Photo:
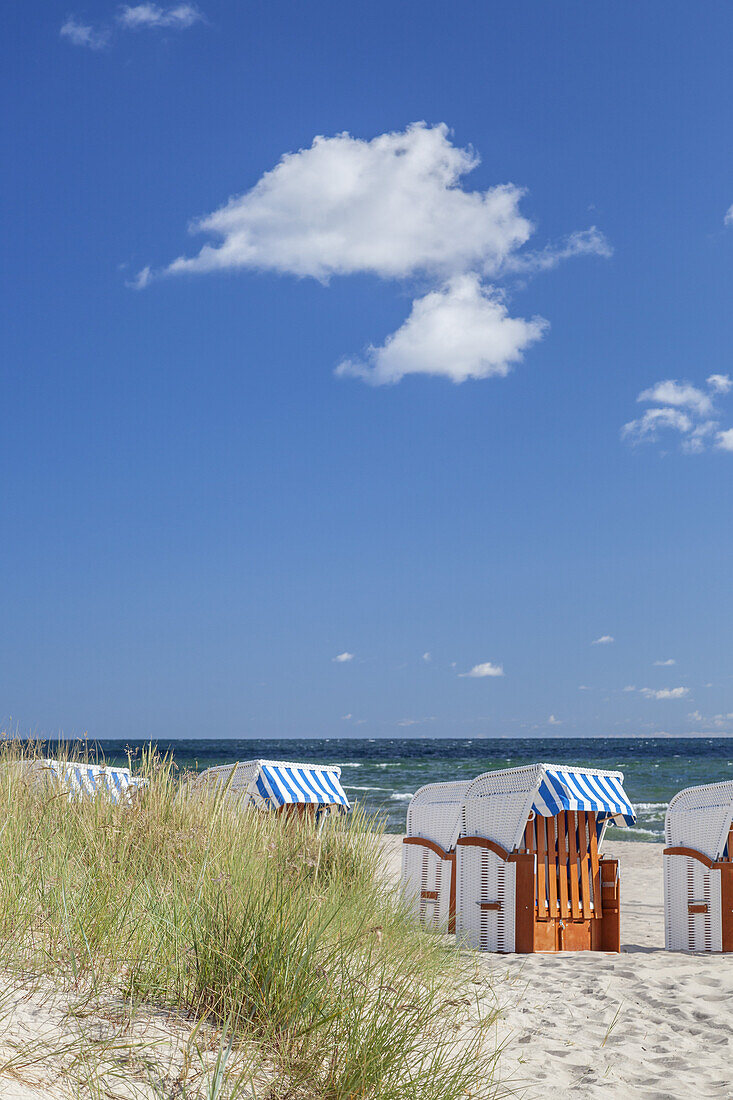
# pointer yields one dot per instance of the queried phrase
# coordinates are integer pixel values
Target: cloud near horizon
(393, 207)
(665, 693)
(605, 639)
(686, 409)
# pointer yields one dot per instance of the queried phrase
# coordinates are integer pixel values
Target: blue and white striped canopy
(573, 789)
(281, 784)
(85, 780)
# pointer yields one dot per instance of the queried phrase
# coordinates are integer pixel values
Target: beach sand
(647, 1023)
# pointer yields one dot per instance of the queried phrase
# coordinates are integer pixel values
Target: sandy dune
(646, 1024)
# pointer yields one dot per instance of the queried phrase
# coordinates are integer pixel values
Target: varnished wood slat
(562, 864)
(552, 866)
(595, 865)
(584, 879)
(541, 870)
(573, 864)
(529, 837)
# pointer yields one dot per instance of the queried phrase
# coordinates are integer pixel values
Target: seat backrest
(567, 875)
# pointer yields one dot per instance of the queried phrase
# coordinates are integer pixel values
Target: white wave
(650, 805)
(401, 797)
(351, 787)
(348, 765)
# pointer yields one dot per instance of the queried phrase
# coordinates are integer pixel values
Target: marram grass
(284, 938)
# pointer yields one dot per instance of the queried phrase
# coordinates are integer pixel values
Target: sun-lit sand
(647, 1023)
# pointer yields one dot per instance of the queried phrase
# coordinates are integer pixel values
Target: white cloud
(132, 17)
(394, 207)
(346, 717)
(138, 16)
(485, 669)
(82, 34)
(587, 242)
(665, 664)
(605, 639)
(341, 658)
(728, 219)
(582, 687)
(553, 721)
(680, 395)
(427, 657)
(685, 409)
(629, 687)
(665, 693)
(459, 332)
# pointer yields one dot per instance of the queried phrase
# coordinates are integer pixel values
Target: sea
(382, 774)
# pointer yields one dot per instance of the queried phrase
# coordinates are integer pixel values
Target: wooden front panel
(576, 936)
(574, 893)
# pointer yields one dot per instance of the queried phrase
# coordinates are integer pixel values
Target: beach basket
(308, 790)
(698, 872)
(530, 876)
(429, 853)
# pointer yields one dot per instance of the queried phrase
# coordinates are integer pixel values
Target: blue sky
(202, 511)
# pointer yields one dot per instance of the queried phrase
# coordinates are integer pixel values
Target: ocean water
(383, 774)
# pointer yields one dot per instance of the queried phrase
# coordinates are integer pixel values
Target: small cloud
(139, 16)
(665, 693)
(605, 639)
(341, 658)
(665, 664)
(720, 383)
(131, 17)
(415, 721)
(728, 219)
(582, 687)
(141, 280)
(686, 409)
(83, 34)
(427, 658)
(485, 669)
(696, 716)
(346, 717)
(630, 687)
(553, 721)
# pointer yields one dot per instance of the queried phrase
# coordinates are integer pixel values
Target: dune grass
(280, 938)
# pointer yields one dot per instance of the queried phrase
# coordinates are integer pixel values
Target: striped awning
(85, 780)
(287, 784)
(573, 789)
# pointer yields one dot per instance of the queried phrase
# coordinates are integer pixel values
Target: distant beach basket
(82, 780)
(698, 869)
(530, 876)
(301, 789)
(429, 853)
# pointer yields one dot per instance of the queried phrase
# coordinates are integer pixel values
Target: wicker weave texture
(425, 874)
(687, 882)
(485, 878)
(700, 817)
(434, 812)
